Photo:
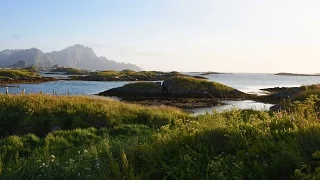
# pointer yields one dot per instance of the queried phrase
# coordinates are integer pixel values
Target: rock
(141, 89)
(176, 87)
(277, 107)
(195, 88)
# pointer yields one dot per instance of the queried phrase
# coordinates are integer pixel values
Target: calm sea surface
(249, 83)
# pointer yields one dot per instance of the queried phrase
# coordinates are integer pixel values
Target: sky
(260, 36)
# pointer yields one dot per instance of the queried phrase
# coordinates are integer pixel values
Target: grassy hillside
(141, 85)
(230, 145)
(190, 82)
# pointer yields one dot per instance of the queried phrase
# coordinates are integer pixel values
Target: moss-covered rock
(140, 89)
(191, 87)
(176, 87)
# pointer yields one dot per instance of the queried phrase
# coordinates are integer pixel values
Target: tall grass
(39, 114)
(231, 145)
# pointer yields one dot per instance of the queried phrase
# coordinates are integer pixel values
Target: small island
(179, 91)
(295, 74)
(130, 75)
(208, 73)
(68, 71)
(28, 75)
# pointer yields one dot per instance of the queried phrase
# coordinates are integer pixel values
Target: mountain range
(76, 56)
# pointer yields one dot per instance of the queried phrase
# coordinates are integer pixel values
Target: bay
(248, 83)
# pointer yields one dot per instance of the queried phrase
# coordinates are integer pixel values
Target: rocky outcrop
(141, 89)
(195, 88)
(279, 93)
(283, 96)
(176, 87)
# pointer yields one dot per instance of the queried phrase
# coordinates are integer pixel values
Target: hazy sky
(184, 35)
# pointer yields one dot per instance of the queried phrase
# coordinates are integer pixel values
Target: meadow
(73, 137)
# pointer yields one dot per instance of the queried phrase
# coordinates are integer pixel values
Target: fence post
(7, 90)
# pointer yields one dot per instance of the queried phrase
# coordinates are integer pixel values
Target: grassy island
(63, 137)
(9, 76)
(69, 71)
(178, 91)
(129, 75)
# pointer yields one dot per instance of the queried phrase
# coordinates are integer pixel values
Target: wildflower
(43, 164)
(53, 157)
(85, 151)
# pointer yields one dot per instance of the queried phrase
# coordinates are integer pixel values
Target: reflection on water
(229, 105)
(61, 87)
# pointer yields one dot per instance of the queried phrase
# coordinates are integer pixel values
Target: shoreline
(13, 82)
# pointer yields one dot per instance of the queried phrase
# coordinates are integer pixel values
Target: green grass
(17, 74)
(231, 145)
(40, 113)
(190, 82)
(71, 71)
(306, 92)
(141, 85)
(123, 73)
(129, 75)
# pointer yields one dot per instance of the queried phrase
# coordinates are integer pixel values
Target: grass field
(102, 139)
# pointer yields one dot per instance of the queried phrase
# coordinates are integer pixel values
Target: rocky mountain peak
(76, 56)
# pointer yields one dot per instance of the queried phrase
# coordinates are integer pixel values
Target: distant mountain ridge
(76, 56)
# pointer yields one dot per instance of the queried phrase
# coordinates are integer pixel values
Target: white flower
(85, 151)
(52, 156)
